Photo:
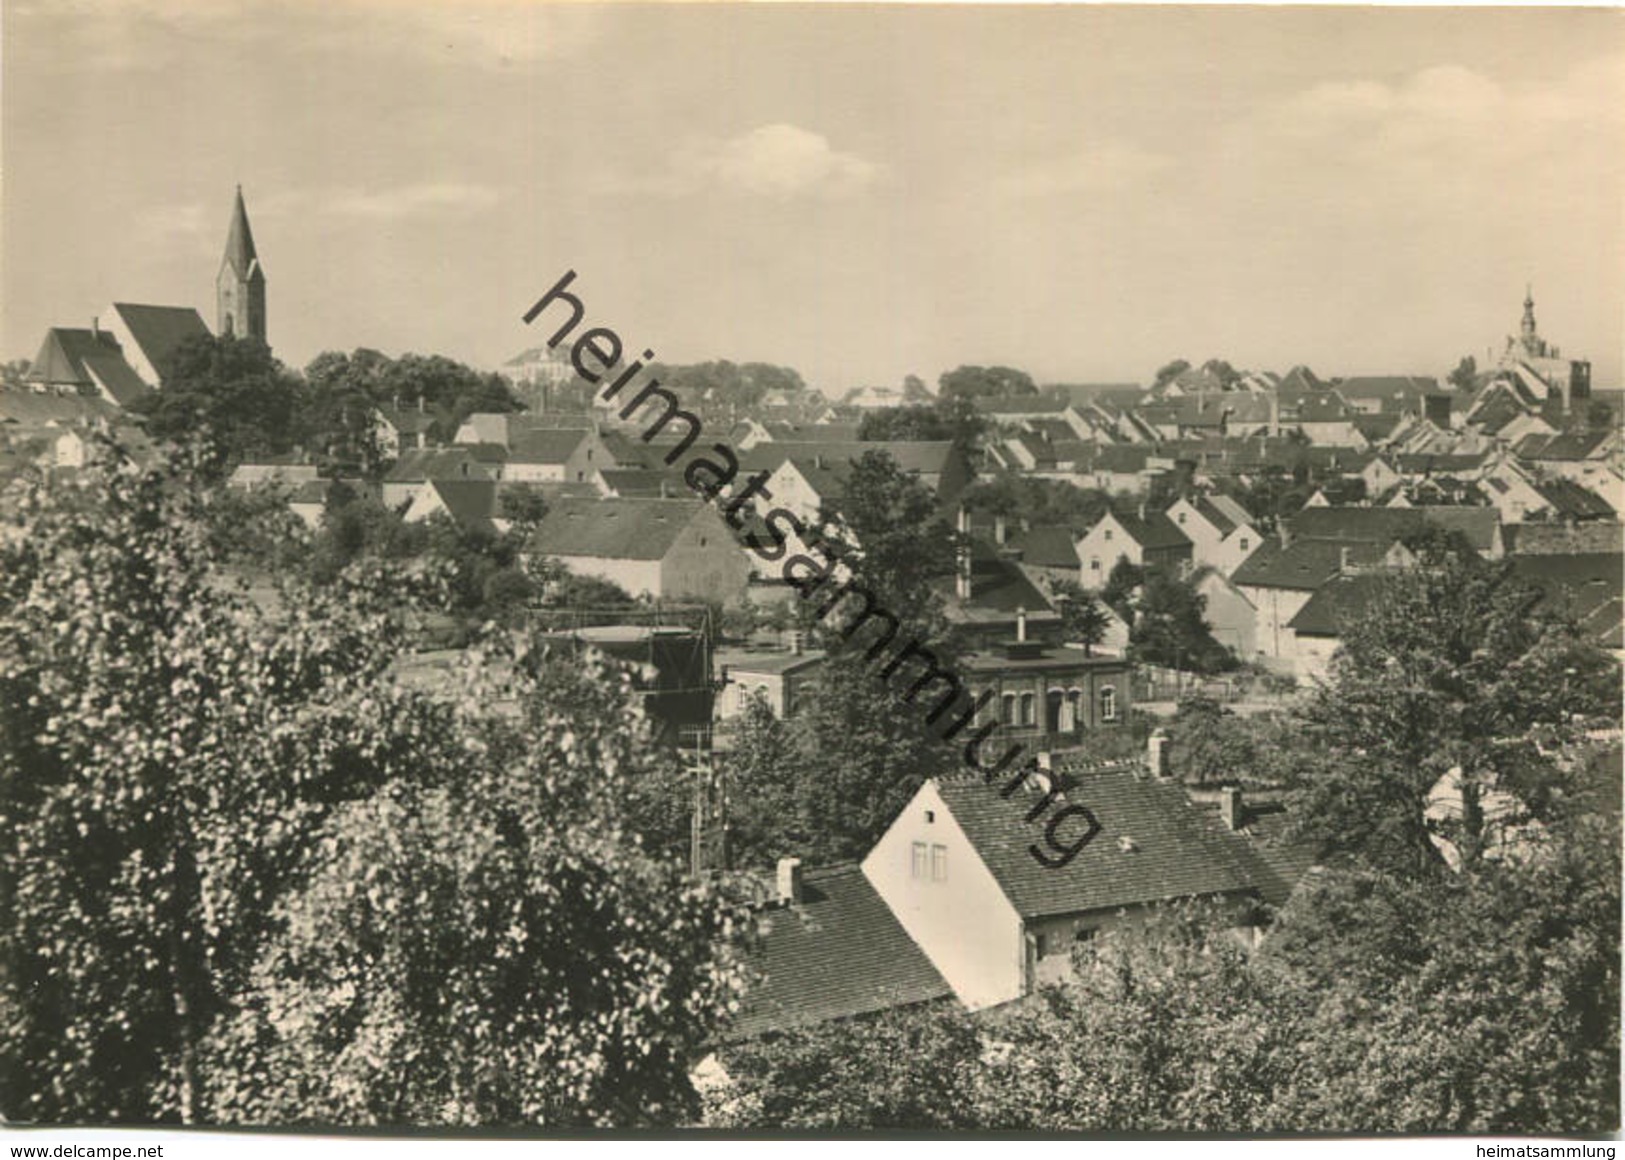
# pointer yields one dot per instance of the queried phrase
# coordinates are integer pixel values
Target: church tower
(240, 287)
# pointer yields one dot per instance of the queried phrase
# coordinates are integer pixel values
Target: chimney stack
(962, 584)
(1021, 623)
(790, 892)
(1157, 754)
(1231, 811)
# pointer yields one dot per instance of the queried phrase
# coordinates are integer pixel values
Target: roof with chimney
(1153, 531)
(83, 359)
(839, 953)
(1303, 565)
(1152, 846)
(1480, 525)
(459, 461)
(617, 528)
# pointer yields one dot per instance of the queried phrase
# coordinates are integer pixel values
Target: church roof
(158, 330)
(240, 253)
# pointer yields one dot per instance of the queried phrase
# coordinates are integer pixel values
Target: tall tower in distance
(240, 286)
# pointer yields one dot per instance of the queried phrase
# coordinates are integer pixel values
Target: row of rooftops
(829, 946)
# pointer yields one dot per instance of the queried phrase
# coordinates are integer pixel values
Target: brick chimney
(790, 885)
(962, 583)
(1157, 754)
(1231, 810)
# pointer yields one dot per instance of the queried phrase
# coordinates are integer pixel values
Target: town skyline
(1214, 184)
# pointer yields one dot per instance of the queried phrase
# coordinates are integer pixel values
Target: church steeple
(1528, 336)
(240, 286)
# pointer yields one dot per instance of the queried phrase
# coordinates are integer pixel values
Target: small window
(1028, 715)
(917, 865)
(930, 816)
(1094, 564)
(1007, 709)
(1108, 536)
(1085, 934)
(1181, 519)
(1244, 543)
(1108, 704)
(939, 863)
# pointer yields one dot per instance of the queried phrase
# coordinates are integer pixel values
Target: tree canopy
(973, 382)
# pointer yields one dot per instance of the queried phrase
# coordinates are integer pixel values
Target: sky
(860, 192)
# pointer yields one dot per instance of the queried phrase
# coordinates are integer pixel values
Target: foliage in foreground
(249, 877)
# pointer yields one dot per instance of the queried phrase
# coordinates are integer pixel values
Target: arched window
(1074, 709)
(1108, 704)
(1055, 716)
(1028, 714)
(1007, 709)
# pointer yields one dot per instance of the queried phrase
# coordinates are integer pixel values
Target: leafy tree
(1599, 415)
(1168, 372)
(230, 392)
(915, 390)
(489, 947)
(249, 877)
(1450, 669)
(1052, 502)
(166, 755)
(906, 1069)
(1083, 619)
(973, 382)
(1212, 744)
(955, 419)
(12, 371)
(1227, 375)
(1465, 374)
(1170, 628)
(1124, 580)
(523, 504)
(765, 821)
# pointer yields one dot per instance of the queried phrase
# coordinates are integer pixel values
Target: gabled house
(554, 455)
(964, 870)
(85, 362)
(1279, 579)
(415, 470)
(398, 429)
(1221, 531)
(669, 549)
(470, 503)
(1145, 539)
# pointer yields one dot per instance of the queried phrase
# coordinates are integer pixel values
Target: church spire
(240, 286)
(1530, 336)
(240, 241)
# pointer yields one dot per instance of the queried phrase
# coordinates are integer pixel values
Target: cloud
(775, 161)
(1109, 165)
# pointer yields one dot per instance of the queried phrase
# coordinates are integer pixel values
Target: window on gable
(1244, 543)
(1094, 564)
(917, 863)
(1108, 536)
(939, 863)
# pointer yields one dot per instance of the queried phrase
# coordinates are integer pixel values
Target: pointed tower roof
(240, 253)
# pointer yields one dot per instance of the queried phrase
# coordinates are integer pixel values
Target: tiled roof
(1588, 586)
(1562, 447)
(928, 458)
(116, 377)
(1570, 499)
(1385, 525)
(646, 482)
(543, 445)
(1215, 515)
(1230, 507)
(1023, 405)
(1304, 565)
(615, 529)
(1114, 395)
(840, 953)
(159, 330)
(1155, 531)
(1170, 851)
(1047, 546)
(998, 585)
(418, 465)
(1339, 601)
(471, 502)
(28, 408)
